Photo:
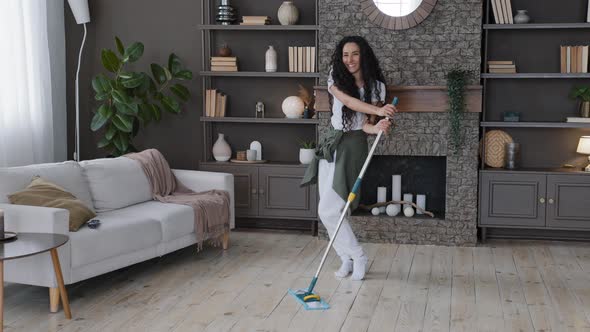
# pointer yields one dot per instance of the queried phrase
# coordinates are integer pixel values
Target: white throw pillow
(116, 183)
(67, 175)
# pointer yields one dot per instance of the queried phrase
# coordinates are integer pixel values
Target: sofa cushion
(115, 236)
(116, 183)
(176, 220)
(44, 193)
(67, 175)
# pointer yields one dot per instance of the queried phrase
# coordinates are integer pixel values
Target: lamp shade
(80, 10)
(584, 145)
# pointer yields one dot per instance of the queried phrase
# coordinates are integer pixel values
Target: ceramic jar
(270, 64)
(521, 17)
(221, 150)
(288, 14)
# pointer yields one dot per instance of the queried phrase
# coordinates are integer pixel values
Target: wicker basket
(495, 146)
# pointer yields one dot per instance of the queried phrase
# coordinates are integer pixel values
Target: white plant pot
(306, 156)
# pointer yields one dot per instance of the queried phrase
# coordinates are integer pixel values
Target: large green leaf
(144, 87)
(121, 141)
(184, 75)
(125, 74)
(110, 133)
(102, 96)
(120, 46)
(101, 84)
(133, 52)
(168, 74)
(158, 72)
(103, 142)
(120, 97)
(145, 113)
(174, 64)
(106, 111)
(99, 119)
(134, 81)
(127, 109)
(110, 61)
(156, 112)
(123, 122)
(170, 104)
(180, 91)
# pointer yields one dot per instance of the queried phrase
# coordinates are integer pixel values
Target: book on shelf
(573, 59)
(502, 11)
(255, 20)
(229, 63)
(302, 59)
(215, 103)
(224, 68)
(577, 119)
(501, 67)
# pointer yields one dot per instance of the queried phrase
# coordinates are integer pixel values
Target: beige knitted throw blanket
(211, 207)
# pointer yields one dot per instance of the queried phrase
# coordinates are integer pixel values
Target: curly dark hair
(345, 81)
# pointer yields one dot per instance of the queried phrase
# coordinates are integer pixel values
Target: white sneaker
(344, 269)
(359, 268)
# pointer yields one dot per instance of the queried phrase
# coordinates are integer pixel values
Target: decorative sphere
(408, 211)
(375, 211)
(392, 210)
(293, 107)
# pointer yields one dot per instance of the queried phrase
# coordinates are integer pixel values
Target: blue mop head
(310, 301)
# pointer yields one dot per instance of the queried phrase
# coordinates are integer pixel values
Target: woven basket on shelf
(495, 144)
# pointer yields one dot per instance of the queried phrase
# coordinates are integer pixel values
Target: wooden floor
(503, 286)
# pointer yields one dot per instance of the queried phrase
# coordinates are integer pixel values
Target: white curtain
(26, 112)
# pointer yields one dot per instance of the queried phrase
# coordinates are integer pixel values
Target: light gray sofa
(134, 228)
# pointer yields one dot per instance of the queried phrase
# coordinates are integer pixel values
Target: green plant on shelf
(456, 81)
(580, 92)
(306, 144)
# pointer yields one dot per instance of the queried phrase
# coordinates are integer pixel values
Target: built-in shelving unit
(534, 196)
(267, 194)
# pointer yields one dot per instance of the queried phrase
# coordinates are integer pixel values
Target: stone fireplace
(419, 140)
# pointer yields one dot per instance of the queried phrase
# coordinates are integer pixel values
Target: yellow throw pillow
(44, 193)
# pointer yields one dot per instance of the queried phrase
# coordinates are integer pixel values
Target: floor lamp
(82, 15)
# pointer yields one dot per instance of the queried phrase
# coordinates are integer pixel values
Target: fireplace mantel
(414, 98)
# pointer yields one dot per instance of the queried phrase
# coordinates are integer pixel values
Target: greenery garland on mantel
(456, 81)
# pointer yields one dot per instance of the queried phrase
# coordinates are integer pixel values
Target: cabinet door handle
(261, 191)
(542, 200)
(551, 201)
(254, 191)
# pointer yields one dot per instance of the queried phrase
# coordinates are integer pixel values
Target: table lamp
(82, 16)
(584, 147)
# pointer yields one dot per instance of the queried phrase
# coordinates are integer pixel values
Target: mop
(309, 299)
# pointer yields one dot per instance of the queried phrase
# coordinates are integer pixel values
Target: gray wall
(163, 27)
(57, 58)
(450, 36)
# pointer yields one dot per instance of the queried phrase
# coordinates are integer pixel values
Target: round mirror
(397, 14)
(397, 8)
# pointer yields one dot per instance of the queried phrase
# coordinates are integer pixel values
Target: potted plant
(132, 99)
(306, 151)
(583, 94)
(456, 81)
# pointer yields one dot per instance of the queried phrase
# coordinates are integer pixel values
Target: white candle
(421, 202)
(408, 198)
(382, 197)
(396, 189)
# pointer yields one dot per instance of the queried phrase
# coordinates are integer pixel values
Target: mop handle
(351, 198)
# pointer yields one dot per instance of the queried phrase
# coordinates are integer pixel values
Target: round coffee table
(28, 244)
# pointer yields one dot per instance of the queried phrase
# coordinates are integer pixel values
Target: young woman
(357, 89)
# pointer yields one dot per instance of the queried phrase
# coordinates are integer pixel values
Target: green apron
(351, 151)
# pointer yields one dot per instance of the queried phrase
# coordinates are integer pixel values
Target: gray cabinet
(539, 200)
(512, 199)
(269, 191)
(568, 201)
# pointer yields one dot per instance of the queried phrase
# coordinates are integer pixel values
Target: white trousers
(329, 209)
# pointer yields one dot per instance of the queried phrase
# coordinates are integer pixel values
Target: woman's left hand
(384, 125)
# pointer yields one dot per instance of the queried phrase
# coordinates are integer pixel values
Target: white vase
(221, 150)
(306, 156)
(288, 14)
(270, 63)
(293, 107)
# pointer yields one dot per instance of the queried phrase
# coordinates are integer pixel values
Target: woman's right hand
(386, 110)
